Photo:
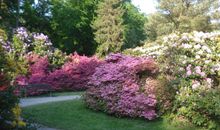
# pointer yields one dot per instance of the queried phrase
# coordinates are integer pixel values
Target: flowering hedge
(120, 86)
(73, 75)
(193, 60)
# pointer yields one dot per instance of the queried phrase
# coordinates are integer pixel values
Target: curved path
(25, 102)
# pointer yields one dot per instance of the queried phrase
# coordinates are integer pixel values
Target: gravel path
(24, 102)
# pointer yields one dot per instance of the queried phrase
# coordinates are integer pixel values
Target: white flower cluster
(153, 51)
(22, 33)
(196, 54)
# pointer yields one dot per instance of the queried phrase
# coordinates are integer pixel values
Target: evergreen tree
(108, 26)
(8, 14)
(182, 16)
(134, 26)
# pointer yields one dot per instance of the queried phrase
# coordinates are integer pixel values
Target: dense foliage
(122, 86)
(134, 22)
(192, 59)
(108, 26)
(183, 16)
(70, 22)
(8, 14)
(9, 110)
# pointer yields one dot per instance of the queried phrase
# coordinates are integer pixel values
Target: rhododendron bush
(193, 60)
(121, 86)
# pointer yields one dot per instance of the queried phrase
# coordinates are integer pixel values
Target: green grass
(73, 115)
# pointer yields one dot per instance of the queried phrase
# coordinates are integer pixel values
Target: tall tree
(134, 22)
(35, 15)
(8, 14)
(182, 16)
(71, 20)
(216, 16)
(108, 26)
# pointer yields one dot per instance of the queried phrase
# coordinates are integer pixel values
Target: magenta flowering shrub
(74, 74)
(39, 70)
(37, 73)
(117, 87)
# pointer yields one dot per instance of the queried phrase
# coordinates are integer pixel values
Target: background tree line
(104, 26)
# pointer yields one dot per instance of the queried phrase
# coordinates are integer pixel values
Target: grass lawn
(73, 115)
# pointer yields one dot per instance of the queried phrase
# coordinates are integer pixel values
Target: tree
(108, 26)
(8, 14)
(216, 16)
(182, 16)
(35, 16)
(71, 20)
(134, 26)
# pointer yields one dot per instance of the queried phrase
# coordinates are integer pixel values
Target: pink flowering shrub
(39, 70)
(73, 75)
(116, 87)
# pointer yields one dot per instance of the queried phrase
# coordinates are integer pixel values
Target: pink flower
(195, 85)
(202, 74)
(198, 69)
(189, 67)
(189, 72)
(208, 80)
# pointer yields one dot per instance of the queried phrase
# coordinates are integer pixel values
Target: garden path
(25, 102)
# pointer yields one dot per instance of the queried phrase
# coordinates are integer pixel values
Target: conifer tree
(182, 16)
(108, 27)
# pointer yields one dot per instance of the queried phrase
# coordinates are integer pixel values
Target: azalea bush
(193, 62)
(72, 76)
(124, 86)
(46, 65)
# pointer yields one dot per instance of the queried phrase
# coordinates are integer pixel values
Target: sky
(145, 6)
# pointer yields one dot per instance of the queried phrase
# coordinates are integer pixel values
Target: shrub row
(73, 75)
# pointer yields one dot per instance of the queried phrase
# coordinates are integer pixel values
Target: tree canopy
(182, 16)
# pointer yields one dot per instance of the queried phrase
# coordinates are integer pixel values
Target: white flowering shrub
(193, 60)
(42, 44)
(25, 43)
(189, 55)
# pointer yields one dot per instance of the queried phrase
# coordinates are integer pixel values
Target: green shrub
(201, 107)
(9, 109)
